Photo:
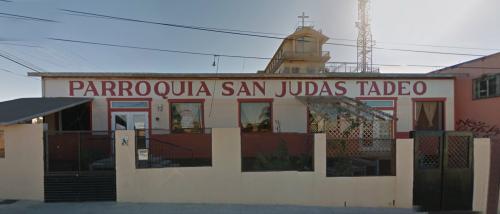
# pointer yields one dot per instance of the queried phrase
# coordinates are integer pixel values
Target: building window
(379, 103)
(186, 117)
(129, 113)
(316, 122)
(429, 115)
(381, 129)
(487, 86)
(2, 145)
(295, 70)
(129, 104)
(305, 45)
(256, 116)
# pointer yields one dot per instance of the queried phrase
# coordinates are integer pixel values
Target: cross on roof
(303, 17)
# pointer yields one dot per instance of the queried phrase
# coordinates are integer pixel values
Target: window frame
(393, 108)
(257, 100)
(476, 84)
(301, 44)
(177, 101)
(431, 99)
(129, 101)
(111, 109)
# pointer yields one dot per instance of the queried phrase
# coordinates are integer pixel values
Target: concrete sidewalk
(145, 208)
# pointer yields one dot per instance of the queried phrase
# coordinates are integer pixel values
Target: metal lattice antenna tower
(365, 42)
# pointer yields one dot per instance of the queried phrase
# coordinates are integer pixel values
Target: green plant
(278, 160)
(281, 160)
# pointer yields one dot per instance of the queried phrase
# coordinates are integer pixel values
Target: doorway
(129, 120)
(443, 170)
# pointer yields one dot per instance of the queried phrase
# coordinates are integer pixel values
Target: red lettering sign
(251, 88)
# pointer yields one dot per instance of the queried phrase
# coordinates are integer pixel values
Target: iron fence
(360, 157)
(493, 191)
(277, 152)
(166, 148)
(79, 151)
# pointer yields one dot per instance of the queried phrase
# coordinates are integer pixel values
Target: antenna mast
(365, 42)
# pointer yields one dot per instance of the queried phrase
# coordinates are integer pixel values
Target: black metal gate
(443, 170)
(79, 166)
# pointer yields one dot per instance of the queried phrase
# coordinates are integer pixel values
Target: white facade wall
(287, 110)
(224, 182)
(21, 170)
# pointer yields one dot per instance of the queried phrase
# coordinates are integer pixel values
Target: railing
(347, 68)
(287, 54)
(79, 151)
(277, 152)
(164, 148)
(360, 157)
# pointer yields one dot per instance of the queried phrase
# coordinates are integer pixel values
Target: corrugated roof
(239, 75)
(23, 109)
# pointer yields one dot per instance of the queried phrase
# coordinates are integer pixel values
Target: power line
(20, 45)
(10, 58)
(226, 31)
(79, 13)
(410, 50)
(441, 46)
(27, 17)
(423, 65)
(157, 49)
(430, 52)
(16, 74)
(240, 56)
(170, 25)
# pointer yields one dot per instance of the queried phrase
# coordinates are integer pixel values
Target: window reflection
(186, 117)
(120, 122)
(255, 117)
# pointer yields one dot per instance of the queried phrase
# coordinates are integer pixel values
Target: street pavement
(29, 207)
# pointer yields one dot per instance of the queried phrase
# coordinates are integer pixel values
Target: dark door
(427, 169)
(457, 171)
(79, 166)
(443, 170)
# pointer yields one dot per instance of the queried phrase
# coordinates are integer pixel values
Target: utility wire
(20, 45)
(170, 25)
(5, 56)
(85, 14)
(79, 13)
(96, 15)
(16, 74)
(156, 49)
(240, 56)
(216, 64)
(252, 33)
(440, 46)
(26, 17)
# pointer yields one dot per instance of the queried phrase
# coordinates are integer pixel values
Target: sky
(394, 23)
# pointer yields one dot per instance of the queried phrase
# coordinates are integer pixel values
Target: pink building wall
(481, 116)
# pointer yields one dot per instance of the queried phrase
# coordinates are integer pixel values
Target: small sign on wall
(142, 154)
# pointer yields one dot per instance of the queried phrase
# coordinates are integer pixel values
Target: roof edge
(84, 100)
(240, 75)
(463, 63)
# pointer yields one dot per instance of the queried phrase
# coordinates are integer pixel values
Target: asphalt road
(145, 208)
